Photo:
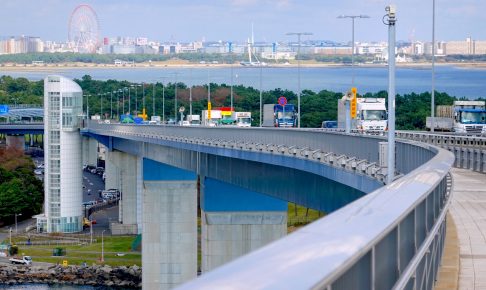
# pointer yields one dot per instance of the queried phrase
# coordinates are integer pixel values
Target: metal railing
(390, 238)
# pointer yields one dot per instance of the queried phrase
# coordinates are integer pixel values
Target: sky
(230, 20)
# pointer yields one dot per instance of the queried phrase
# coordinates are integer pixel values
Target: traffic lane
(103, 219)
(92, 184)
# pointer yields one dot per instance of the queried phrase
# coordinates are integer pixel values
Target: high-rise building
(63, 101)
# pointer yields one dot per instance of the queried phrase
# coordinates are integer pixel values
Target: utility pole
(353, 17)
(390, 20)
(299, 34)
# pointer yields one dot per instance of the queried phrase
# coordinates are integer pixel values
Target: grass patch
(89, 253)
(299, 216)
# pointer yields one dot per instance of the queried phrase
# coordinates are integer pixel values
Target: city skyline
(231, 20)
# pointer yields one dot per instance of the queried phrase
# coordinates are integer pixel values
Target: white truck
(243, 119)
(25, 260)
(467, 117)
(371, 115)
(155, 120)
(194, 120)
(215, 118)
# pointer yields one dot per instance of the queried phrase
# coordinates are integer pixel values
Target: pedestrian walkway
(468, 211)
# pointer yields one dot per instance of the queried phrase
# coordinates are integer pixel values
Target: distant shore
(48, 67)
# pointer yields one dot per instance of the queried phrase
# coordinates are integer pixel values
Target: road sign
(282, 101)
(353, 104)
(209, 110)
(182, 109)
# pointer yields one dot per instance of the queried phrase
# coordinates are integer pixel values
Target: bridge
(376, 236)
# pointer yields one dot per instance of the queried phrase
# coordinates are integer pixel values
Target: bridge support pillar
(112, 170)
(15, 141)
(128, 170)
(90, 151)
(236, 221)
(169, 234)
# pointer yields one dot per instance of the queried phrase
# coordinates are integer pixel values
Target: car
(38, 172)
(185, 123)
(89, 168)
(171, 122)
(99, 170)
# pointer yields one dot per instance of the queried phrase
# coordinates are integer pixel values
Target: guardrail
(390, 238)
(470, 151)
(349, 152)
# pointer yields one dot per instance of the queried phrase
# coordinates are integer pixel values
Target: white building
(63, 101)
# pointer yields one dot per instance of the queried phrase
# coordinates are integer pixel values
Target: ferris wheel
(84, 29)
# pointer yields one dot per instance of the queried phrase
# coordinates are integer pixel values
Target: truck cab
(470, 120)
(243, 119)
(371, 114)
(285, 116)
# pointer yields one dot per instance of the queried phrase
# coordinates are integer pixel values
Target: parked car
(89, 168)
(26, 260)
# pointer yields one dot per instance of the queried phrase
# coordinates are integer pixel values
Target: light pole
(129, 102)
(299, 34)
(231, 81)
(16, 232)
(143, 100)
(261, 94)
(111, 105)
(432, 112)
(102, 247)
(190, 94)
(391, 18)
(163, 101)
(153, 98)
(175, 98)
(101, 106)
(87, 106)
(10, 231)
(353, 17)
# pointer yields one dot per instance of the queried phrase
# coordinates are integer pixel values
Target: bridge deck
(468, 210)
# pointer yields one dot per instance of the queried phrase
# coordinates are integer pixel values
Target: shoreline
(179, 65)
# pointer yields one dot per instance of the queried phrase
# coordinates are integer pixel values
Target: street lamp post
(353, 17)
(432, 101)
(143, 99)
(102, 246)
(391, 18)
(16, 232)
(129, 102)
(101, 106)
(175, 98)
(111, 105)
(87, 106)
(153, 98)
(299, 34)
(163, 101)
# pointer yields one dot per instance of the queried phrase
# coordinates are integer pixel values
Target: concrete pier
(90, 151)
(236, 221)
(17, 141)
(125, 166)
(169, 231)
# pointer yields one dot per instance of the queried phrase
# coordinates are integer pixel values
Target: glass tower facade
(63, 101)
